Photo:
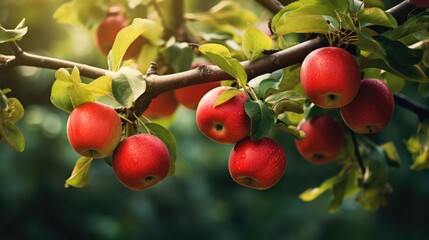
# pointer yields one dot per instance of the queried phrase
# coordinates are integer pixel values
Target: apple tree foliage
(391, 45)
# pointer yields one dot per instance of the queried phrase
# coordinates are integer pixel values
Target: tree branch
(273, 6)
(32, 60)
(157, 84)
(419, 109)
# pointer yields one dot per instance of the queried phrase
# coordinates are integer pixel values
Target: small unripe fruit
(330, 77)
(323, 141)
(94, 130)
(372, 108)
(257, 164)
(225, 123)
(141, 161)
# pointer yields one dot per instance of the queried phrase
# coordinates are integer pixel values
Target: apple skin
(226, 123)
(257, 164)
(372, 108)
(330, 77)
(162, 106)
(108, 29)
(141, 161)
(323, 141)
(420, 3)
(94, 129)
(190, 96)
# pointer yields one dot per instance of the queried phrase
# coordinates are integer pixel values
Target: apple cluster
(166, 104)
(257, 164)
(139, 161)
(331, 78)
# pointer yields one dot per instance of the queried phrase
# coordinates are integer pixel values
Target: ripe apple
(323, 141)
(141, 161)
(225, 123)
(94, 130)
(372, 108)
(257, 164)
(191, 96)
(108, 29)
(420, 3)
(330, 77)
(162, 106)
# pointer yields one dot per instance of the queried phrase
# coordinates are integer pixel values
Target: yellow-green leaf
(15, 110)
(227, 95)
(101, 86)
(13, 136)
(150, 29)
(254, 42)
(80, 174)
(391, 153)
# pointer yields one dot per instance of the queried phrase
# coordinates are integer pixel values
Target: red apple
(225, 123)
(162, 106)
(257, 164)
(323, 141)
(141, 161)
(330, 77)
(94, 130)
(109, 28)
(372, 108)
(420, 3)
(191, 96)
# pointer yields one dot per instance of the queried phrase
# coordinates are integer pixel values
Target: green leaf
(101, 86)
(413, 145)
(290, 129)
(254, 42)
(262, 119)
(15, 110)
(150, 29)
(127, 85)
(60, 95)
(290, 77)
(79, 95)
(313, 193)
(80, 174)
(180, 55)
(338, 191)
(302, 24)
(227, 95)
(421, 161)
(376, 16)
(168, 138)
(80, 13)
(391, 154)
(286, 101)
(221, 56)
(423, 89)
(414, 24)
(402, 59)
(9, 35)
(13, 136)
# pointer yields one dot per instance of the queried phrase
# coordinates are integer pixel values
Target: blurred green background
(200, 201)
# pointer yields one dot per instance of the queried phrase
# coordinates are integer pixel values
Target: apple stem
(357, 153)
